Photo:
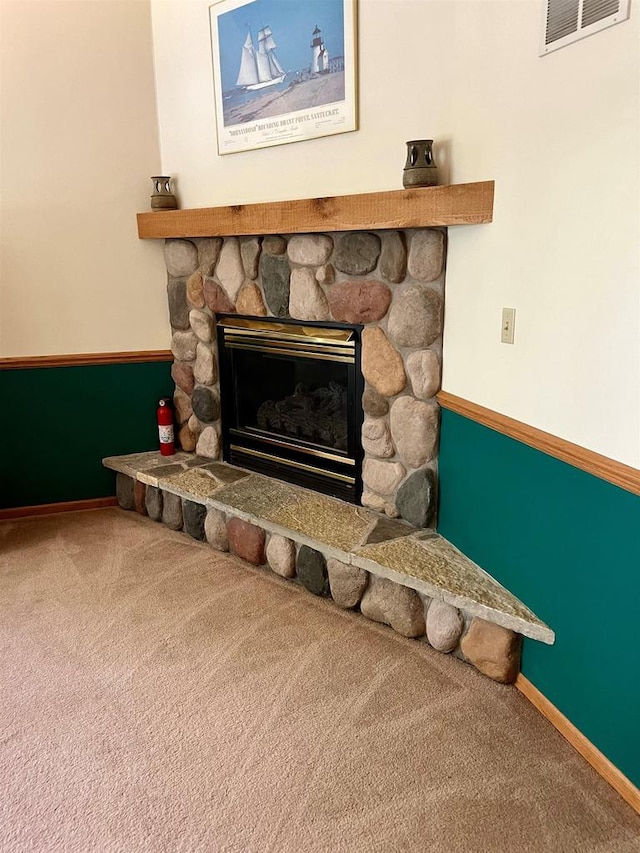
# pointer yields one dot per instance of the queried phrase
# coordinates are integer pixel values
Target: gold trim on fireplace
(290, 445)
(319, 356)
(343, 477)
(339, 349)
(312, 334)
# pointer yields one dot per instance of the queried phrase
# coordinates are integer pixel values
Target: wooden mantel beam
(456, 204)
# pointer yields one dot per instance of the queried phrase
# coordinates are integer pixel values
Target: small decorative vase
(162, 198)
(420, 169)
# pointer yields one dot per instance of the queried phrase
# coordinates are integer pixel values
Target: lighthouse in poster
(319, 55)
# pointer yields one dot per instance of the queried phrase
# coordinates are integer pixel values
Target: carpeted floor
(159, 696)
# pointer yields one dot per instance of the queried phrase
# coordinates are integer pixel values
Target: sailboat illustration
(260, 68)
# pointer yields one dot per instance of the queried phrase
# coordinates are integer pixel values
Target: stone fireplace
(250, 316)
(387, 286)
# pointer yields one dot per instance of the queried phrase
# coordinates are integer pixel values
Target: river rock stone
(182, 406)
(208, 253)
(325, 274)
(172, 511)
(273, 244)
(193, 515)
(372, 501)
(426, 255)
(178, 306)
(382, 364)
(311, 568)
(274, 275)
(281, 556)
(182, 375)
(395, 605)
(250, 301)
(357, 253)
(208, 443)
(195, 290)
(230, 271)
(444, 626)
(414, 427)
(393, 257)
(423, 367)
(153, 503)
(183, 346)
(202, 324)
(206, 406)
(195, 426)
(359, 301)
(415, 318)
(246, 541)
(124, 491)
(250, 254)
(187, 438)
(415, 498)
(307, 300)
(347, 583)
(215, 530)
(216, 299)
(382, 477)
(494, 650)
(180, 257)
(205, 370)
(310, 250)
(373, 404)
(376, 438)
(139, 497)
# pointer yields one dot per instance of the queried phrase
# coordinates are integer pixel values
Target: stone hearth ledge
(419, 559)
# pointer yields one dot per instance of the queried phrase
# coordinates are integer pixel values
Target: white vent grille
(594, 11)
(562, 19)
(566, 21)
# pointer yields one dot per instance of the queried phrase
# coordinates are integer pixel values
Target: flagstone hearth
(410, 578)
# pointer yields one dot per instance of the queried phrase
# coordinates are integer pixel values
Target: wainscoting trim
(579, 742)
(81, 359)
(618, 473)
(50, 509)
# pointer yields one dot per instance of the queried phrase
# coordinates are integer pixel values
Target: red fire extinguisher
(165, 427)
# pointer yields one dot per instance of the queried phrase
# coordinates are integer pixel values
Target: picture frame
(283, 71)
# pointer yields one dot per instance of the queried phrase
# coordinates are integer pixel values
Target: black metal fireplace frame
(296, 461)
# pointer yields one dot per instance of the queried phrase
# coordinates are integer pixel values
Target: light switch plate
(508, 325)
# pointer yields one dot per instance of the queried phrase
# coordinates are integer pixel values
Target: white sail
(275, 66)
(248, 73)
(265, 39)
(259, 68)
(264, 72)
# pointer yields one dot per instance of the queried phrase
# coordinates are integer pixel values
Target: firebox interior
(291, 401)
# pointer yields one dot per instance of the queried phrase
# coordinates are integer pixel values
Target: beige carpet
(158, 696)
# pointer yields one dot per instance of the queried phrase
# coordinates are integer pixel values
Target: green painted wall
(568, 545)
(59, 422)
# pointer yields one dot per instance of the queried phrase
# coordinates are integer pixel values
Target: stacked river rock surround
(392, 282)
(394, 572)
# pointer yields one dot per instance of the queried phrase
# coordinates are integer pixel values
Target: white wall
(560, 136)
(79, 140)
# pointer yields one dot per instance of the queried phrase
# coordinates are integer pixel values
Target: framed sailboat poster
(283, 71)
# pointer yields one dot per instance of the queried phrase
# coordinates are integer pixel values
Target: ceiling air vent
(566, 21)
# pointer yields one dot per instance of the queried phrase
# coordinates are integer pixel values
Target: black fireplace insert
(291, 399)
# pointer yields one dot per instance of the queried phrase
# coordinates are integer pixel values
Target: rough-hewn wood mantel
(456, 204)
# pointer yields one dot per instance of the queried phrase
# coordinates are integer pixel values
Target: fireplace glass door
(291, 401)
